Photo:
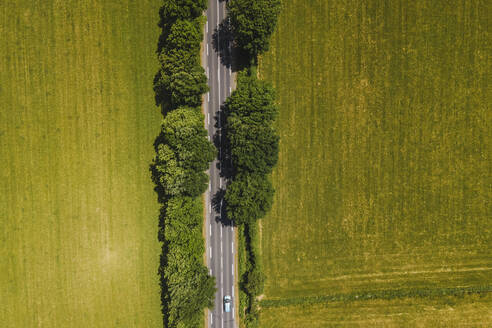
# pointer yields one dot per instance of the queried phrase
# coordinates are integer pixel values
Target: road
(220, 236)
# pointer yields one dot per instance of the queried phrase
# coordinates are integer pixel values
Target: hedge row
(252, 149)
(379, 294)
(251, 145)
(183, 154)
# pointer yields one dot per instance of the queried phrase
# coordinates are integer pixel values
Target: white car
(227, 303)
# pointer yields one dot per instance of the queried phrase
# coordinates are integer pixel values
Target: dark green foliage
(253, 100)
(254, 147)
(181, 80)
(173, 10)
(252, 22)
(252, 140)
(248, 197)
(184, 154)
(189, 287)
(185, 35)
(187, 87)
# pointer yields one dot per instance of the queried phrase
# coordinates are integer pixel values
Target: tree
(255, 281)
(248, 198)
(183, 154)
(252, 22)
(183, 130)
(187, 87)
(173, 10)
(189, 286)
(253, 100)
(185, 35)
(253, 146)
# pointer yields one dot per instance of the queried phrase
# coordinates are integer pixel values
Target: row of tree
(181, 80)
(251, 142)
(183, 154)
(252, 148)
(252, 145)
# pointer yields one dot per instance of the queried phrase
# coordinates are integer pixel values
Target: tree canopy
(184, 153)
(252, 140)
(189, 287)
(252, 23)
(248, 198)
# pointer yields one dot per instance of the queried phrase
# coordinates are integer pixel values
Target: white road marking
(220, 182)
(207, 27)
(232, 314)
(230, 90)
(221, 248)
(210, 271)
(208, 96)
(208, 118)
(210, 229)
(218, 6)
(208, 137)
(207, 49)
(232, 267)
(232, 247)
(221, 232)
(233, 292)
(210, 208)
(210, 251)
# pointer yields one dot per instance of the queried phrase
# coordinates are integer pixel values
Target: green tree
(189, 287)
(185, 35)
(253, 147)
(173, 10)
(253, 100)
(255, 282)
(187, 88)
(184, 153)
(252, 22)
(248, 198)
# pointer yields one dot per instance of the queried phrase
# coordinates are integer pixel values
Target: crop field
(383, 180)
(78, 214)
(470, 311)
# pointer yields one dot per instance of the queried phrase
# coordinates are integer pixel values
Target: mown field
(78, 214)
(383, 180)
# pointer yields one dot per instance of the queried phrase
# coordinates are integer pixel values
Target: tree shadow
(218, 204)
(223, 43)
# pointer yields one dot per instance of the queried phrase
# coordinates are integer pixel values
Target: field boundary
(379, 294)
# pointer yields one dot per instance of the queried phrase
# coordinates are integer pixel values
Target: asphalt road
(220, 235)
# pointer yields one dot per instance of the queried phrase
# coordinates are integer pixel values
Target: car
(227, 303)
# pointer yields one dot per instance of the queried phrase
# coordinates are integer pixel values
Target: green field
(383, 180)
(471, 311)
(78, 214)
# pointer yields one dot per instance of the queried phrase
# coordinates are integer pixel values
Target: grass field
(383, 181)
(78, 214)
(470, 311)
